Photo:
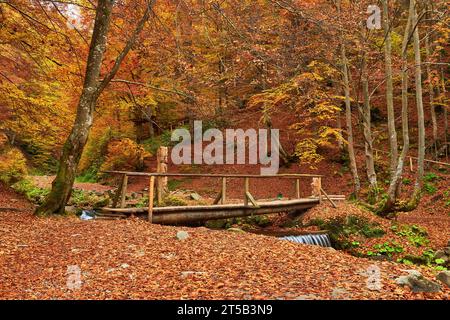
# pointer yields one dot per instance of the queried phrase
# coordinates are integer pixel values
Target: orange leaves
(124, 154)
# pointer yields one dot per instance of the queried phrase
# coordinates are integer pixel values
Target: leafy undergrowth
(362, 233)
(131, 259)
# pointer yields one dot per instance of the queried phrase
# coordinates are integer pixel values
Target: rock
(70, 209)
(124, 265)
(444, 277)
(439, 254)
(417, 282)
(195, 196)
(182, 235)
(236, 230)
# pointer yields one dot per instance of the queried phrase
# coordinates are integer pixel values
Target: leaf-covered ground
(130, 259)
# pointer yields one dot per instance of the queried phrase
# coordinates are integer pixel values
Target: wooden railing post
(316, 185)
(297, 188)
(224, 191)
(123, 194)
(151, 192)
(162, 160)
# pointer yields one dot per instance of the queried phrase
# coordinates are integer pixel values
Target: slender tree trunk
(430, 85)
(389, 89)
(368, 141)
(339, 126)
(444, 97)
(92, 88)
(348, 113)
(420, 113)
(396, 179)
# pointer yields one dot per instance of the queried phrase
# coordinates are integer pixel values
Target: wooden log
(251, 199)
(224, 191)
(218, 198)
(123, 191)
(170, 215)
(151, 188)
(329, 199)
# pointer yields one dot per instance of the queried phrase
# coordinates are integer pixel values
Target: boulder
(444, 277)
(439, 254)
(236, 230)
(182, 235)
(195, 196)
(70, 209)
(417, 282)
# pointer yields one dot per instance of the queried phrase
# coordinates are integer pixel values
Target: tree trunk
(73, 147)
(389, 89)
(92, 88)
(430, 85)
(420, 113)
(348, 113)
(388, 206)
(368, 141)
(444, 97)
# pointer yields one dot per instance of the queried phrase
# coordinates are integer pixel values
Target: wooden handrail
(214, 175)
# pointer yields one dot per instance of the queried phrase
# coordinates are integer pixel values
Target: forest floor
(130, 259)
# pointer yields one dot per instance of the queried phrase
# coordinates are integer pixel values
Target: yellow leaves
(324, 110)
(13, 165)
(306, 150)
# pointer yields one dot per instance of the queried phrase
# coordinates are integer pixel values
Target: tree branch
(131, 41)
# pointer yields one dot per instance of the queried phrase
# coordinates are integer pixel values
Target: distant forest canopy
(126, 73)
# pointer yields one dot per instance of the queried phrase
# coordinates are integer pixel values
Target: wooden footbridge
(219, 209)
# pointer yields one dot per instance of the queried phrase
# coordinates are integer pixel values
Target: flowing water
(314, 239)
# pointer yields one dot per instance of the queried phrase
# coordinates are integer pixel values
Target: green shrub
(30, 191)
(386, 249)
(341, 228)
(406, 181)
(429, 188)
(415, 234)
(431, 177)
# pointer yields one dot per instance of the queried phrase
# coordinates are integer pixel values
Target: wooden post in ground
(162, 160)
(123, 194)
(411, 167)
(297, 188)
(246, 190)
(224, 191)
(151, 193)
(316, 186)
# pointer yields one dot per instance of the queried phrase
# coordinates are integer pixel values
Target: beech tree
(389, 87)
(92, 88)
(420, 112)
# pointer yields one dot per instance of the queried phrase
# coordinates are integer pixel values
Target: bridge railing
(120, 197)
